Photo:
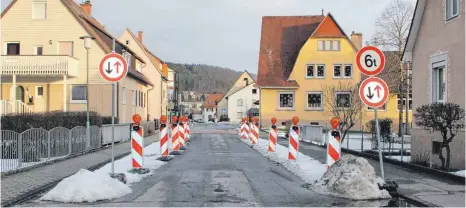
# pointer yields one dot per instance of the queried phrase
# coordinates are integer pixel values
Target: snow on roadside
(87, 186)
(359, 181)
(459, 173)
(305, 167)
(353, 178)
(123, 165)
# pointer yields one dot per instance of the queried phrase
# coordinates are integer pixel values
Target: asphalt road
(218, 169)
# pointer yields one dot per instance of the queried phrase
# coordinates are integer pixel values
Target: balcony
(31, 65)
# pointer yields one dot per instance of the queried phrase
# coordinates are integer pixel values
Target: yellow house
(44, 62)
(300, 58)
(155, 70)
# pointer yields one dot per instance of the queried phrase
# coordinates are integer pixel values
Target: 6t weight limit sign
(370, 60)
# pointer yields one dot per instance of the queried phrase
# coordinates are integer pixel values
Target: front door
(20, 93)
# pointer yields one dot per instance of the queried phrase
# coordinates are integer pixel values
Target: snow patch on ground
(305, 167)
(87, 186)
(459, 173)
(151, 153)
(353, 178)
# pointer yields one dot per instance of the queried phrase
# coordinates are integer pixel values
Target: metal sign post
(113, 68)
(377, 129)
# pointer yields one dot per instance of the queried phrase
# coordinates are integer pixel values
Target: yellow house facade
(44, 62)
(299, 65)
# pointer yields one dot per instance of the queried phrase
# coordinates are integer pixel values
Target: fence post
(20, 150)
(69, 143)
(48, 146)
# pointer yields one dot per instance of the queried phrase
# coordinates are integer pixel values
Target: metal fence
(37, 145)
(122, 133)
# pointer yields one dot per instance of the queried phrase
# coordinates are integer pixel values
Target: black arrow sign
(370, 95)
(109, 69)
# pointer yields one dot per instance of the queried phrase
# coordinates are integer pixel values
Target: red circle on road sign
(363, 97)
(360, 65)
(105, 59)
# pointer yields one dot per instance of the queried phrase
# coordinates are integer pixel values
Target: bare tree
(342, 101)
(391, 33)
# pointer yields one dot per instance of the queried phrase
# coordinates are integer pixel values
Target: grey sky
(221, 32)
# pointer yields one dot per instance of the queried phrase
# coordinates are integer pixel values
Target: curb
(32, 193)
(417, 202)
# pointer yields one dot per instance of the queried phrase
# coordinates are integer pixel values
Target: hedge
(50, 120)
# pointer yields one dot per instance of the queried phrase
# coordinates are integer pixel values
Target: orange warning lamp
(335, 122)
(295, 120)
(136, 119)
(174, 119)
(274, 120)
(255, 119)
(163, 119)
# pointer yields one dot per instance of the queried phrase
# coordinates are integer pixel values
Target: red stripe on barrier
(333, 153)
(136, 164)
(293, 143)
(136, 146)
(291, 156)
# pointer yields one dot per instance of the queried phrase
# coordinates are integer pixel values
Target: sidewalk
(417, 185)
(17, 187)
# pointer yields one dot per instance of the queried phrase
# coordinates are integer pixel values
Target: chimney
(87, 6)
(140, 36)
(356, 38)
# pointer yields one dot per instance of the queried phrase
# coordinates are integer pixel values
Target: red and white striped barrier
(334, 144)
(241, 131)
(137, 146)
(188, 131)
(163, 137)
(246, 130)
(273, 136)
(175, 134)
(294, 140)
(181, 134)
(255, 131)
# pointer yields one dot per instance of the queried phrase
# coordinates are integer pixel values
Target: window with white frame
(335, 45)
(39, 91)
(438, 84)
(239, 115)
(286, 100)
(315, 70)
(321, 45)
(314, 101)
(342, 71)
(39, 10)
(348, 71)
(328, 45)
(239, 102)
(337, 70)
(383, 107)
(452, 9)
(343, 99)
(254, 91)
(401, 101)
(78, 94)
(123, 96)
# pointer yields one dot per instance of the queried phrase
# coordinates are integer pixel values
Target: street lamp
(87, 45)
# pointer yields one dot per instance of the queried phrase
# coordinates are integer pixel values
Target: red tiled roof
(281, 40)
(211, 100)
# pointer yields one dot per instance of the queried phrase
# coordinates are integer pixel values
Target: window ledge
(315, 77)
(452, 19)
(285, 109)
(314, 109)
(78, 101)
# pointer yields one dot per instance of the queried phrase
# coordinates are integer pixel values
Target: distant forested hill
(205, 78)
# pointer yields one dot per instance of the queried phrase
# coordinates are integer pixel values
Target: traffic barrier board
(370, 60)
(373, 92)
(113, 67)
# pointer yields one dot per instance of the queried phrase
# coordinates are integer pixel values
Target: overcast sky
(221, 32)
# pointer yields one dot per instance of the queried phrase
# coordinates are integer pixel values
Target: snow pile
(353, 178)
(305, 167)
(459, 173)
(87, 186)
(151, 153)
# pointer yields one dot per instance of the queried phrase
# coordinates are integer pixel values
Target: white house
(241, 101)
(242, 81)
(209, 108)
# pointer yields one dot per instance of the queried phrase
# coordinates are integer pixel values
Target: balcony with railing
(32, 65)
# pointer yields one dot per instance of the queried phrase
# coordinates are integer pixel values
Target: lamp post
(87, 45)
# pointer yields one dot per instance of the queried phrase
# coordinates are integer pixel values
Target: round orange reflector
(256, 120)
(335, 122)
(174, 119)
(295, 120)
(274, 121)
(136, 118)
(163, 119)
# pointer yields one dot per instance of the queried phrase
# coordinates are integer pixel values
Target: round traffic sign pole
(370, 60)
